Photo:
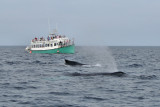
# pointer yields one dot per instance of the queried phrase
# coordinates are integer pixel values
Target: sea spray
(111, 60)
(98, 55)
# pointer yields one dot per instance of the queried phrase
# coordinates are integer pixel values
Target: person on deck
(48, 38)
(35, 38)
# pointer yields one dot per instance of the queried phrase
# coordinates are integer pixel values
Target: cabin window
(51, 45)
(48, 45)
(34, 46)
(54, 44)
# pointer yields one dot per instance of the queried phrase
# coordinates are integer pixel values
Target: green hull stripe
(68, 49)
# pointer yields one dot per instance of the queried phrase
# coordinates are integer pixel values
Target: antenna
(55, 30)
(49, 25)
(56, 26)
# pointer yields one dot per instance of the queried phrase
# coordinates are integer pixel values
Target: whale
(117, 74)
(73, 63)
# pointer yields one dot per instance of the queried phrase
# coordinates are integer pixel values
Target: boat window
(54, 44)
(48, 45)
(51, 45)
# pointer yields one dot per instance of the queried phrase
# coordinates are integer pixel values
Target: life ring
(57, 51)
(30, 52)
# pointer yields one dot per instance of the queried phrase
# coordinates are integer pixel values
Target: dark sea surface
(43, 80)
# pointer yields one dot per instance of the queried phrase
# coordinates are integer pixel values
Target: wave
(24, 87)
(65, 105)
(19, 88)
(25, 102)
(94, 98)
(135, 65)
(59, 93)
(145, 77)
(156, 69)
(38, 62)
(13, 62)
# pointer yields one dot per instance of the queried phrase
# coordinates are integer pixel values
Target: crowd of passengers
(61, 44)
(48, 38)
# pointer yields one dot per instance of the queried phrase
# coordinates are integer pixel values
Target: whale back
(117, 74)
(73, 63)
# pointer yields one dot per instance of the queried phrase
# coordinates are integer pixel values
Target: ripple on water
(137, 98)
(156, 69)
(13, 62)
(19, 88)
(22, 82)
(25, 102)
(94, 98)
(38, 62)
(135, 66)
(32, 87)
(12, 96)
(24, 87)
(146, 77)
(59, 93)
(13, 100)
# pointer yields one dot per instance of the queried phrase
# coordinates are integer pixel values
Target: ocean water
(42, 80)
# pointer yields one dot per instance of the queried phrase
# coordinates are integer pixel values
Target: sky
(89, 22)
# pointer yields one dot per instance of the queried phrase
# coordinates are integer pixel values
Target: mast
(49, 30)
(56, 26)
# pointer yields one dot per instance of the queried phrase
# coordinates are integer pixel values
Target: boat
(54, 43)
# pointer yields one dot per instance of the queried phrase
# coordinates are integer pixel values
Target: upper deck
(52, 42)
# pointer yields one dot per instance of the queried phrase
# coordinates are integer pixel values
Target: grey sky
(90, 22)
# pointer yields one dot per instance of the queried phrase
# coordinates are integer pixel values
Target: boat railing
(48, 38)
(64, 44)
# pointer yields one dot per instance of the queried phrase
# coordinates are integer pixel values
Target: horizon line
(93, 45)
